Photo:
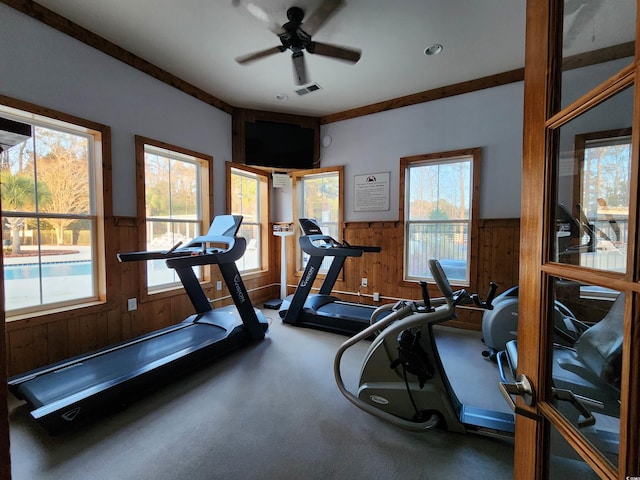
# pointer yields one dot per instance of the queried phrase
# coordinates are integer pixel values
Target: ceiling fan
(295, 35)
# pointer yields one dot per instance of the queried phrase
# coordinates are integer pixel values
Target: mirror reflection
(587, 360)
(597, 42)
(592, 195)
(565, 463)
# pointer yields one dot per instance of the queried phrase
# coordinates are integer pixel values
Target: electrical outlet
(219, 285)
(132, 304)
(376, 297)
(364, 281)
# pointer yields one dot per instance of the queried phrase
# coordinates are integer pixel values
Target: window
(440, 213)
(318, 195)
(176, 203)
(52, 211)
(248, 195)
(600, 200)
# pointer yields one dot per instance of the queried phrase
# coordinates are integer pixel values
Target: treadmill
(74, 391)
(323, 311)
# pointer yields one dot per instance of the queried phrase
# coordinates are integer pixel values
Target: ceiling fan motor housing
(295, 15)
(293, 37)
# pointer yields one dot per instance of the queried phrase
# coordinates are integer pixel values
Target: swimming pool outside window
(50, 214)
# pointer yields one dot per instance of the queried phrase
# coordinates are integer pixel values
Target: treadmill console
(225, 225)
(310, 226)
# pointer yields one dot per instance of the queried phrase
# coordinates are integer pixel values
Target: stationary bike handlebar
(486, 304)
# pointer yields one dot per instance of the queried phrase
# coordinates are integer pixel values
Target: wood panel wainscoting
(40, 340)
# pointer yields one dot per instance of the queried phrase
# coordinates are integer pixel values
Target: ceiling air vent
(311, 88)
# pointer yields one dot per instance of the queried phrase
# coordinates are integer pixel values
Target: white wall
(490, 119)
(45, 67)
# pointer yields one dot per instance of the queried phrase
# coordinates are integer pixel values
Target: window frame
(206, 208)
(298, 178)
(264, 185)
(474, 207)
(100, 171)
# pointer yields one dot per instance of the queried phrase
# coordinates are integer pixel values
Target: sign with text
(371, 192)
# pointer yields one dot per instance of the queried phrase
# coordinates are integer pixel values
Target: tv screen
(281, 145)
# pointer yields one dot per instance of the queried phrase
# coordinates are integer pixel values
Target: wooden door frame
(5, 458)
(544, 22)
(530, 433)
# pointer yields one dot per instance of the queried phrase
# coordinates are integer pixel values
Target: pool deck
(84, 253)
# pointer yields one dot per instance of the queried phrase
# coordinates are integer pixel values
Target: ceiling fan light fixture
(434, 49)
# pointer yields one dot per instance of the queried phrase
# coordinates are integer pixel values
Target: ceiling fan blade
(586, 11)
(250, 57)
(262, 16)
(299, 68)
(320, 15)
(334, 51)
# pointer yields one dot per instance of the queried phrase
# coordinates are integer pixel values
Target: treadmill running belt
(347, 310)
(119, 365)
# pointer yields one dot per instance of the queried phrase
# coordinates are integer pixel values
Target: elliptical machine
(403, 380)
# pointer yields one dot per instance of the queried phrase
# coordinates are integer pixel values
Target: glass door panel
(579, 251)
(586, 360)
(592, 179)
(565, 463)
(598, 41)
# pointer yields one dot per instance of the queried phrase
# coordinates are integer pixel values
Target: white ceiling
(198, 40)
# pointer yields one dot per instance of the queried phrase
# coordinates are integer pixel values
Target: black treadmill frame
(226, 334)
(302, 310)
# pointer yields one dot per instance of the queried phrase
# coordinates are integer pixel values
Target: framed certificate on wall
(371, 192)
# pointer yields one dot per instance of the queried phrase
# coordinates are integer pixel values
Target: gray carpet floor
(269, 411)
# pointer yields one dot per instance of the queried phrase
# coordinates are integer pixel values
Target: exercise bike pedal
(490, 354)
(427, 415)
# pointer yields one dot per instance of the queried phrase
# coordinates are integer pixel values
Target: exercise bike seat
(598, 351)
(592, 368)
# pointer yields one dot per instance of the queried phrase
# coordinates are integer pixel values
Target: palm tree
(18, 193)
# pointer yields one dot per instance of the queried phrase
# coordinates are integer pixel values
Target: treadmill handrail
(235, 251)
(156, 254)
(332, 248)
(222, 231)
(193, 248)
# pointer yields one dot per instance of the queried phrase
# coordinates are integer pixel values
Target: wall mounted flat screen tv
(280, 145)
